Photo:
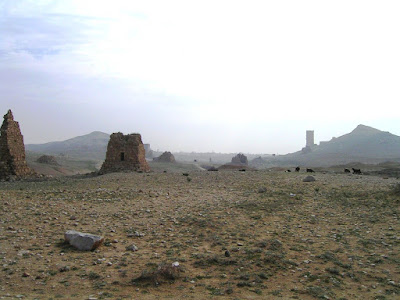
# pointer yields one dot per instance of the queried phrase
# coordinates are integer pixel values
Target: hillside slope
(364, 144)
(363, 141)
(92, 146)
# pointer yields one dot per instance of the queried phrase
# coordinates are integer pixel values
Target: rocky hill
(363, 141)
(92, 146)
(364, 144)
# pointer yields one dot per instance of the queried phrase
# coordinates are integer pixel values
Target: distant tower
(310, 138)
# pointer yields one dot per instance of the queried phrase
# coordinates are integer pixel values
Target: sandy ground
(235, 235)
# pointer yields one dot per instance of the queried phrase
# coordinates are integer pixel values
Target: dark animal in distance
(297, 169)
(310, 171)
(356, 171)
(288, 171)
(346, 170)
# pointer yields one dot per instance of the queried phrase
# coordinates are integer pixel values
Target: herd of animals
(355, 171)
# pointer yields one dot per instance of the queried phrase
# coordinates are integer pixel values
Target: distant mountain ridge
(92, 146)
(363, 141)
(363, 144)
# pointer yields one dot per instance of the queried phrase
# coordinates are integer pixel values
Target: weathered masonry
(125, 153)
(12, 149)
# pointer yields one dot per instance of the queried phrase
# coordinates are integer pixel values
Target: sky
(224, 76)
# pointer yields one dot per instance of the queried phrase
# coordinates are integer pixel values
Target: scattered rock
(132, 247)
(262, 190)
(309, 179)
(83, 241)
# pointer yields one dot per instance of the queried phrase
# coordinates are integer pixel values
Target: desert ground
(230, 235)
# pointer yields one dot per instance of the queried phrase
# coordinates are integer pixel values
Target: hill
(92, 146)
(363, 141)
(364, 144)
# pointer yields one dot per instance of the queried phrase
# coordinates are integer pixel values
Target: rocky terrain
(202, 235)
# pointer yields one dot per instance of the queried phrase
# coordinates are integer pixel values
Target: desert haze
(159, 227)
(199, 149)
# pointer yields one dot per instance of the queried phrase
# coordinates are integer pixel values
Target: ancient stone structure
(166, 157)
(12, 150)
(47, 159)
(310, 138)
(125, 153)
(240, 159)
(309, 142)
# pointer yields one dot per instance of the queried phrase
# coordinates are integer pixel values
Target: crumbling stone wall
(125, 153)
(12, 149)
(240, 159)
(166, 157)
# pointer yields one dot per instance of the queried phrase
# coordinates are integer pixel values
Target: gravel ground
(205, 235)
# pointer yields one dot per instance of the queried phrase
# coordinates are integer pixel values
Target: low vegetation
(224, 235)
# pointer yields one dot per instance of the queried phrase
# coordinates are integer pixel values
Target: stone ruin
(125, 153)
(165, 157)
(240, 159)
(12, 150)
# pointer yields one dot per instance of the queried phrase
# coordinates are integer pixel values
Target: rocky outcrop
(47, 159)
(83, 241)
(166, 157)
(125, 153)
(12, 150)
(240, 159)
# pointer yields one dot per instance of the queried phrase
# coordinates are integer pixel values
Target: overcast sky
(224, 76)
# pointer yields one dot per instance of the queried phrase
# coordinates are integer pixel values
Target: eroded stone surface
(12, 149)
(83, 241)
(125, 153)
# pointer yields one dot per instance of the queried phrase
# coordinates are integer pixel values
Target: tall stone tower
(310, 138)
(12, 149)
(125, 153)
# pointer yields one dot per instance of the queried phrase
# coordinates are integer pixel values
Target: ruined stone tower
(125, 153)
(310, 138)
(12, 149)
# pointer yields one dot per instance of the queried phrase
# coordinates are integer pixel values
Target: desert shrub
(157, 274)
(396, 190)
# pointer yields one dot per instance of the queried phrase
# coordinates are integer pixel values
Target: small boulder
(132, 247)
(262, 190)
(83, 241)
(309, 179)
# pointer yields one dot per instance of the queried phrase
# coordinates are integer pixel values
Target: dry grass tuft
(159, 274)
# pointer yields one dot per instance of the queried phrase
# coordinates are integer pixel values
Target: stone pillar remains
(12, 150)
(309, 138)
(125, 153)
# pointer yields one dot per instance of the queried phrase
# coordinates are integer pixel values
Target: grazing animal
(310, 170)
(297, 169)
(346, 170)
(356, 171)
(288, 171)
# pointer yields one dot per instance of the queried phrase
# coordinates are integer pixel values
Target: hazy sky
(228, 76)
